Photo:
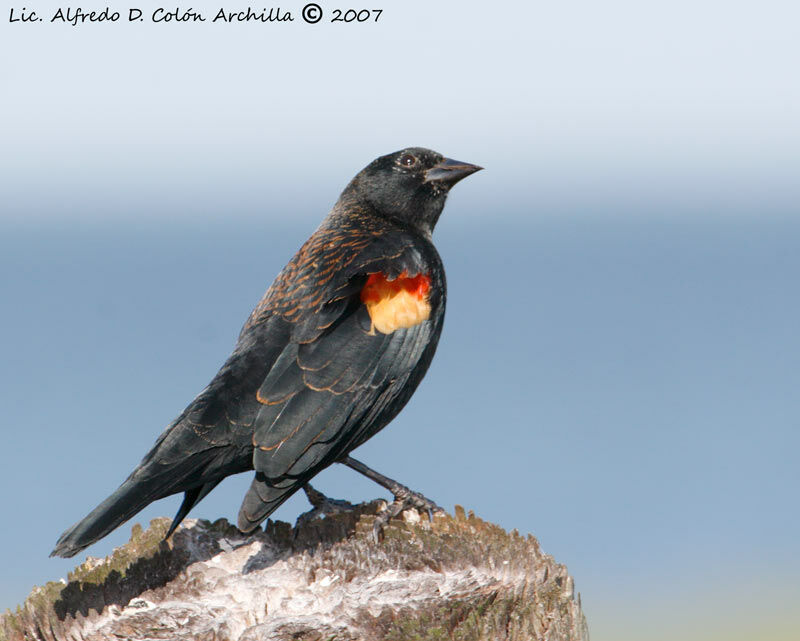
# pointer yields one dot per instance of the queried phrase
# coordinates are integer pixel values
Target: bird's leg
(320, 504)
(404, 498)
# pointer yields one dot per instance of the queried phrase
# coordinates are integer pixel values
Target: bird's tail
(130, 498)
(263, 498)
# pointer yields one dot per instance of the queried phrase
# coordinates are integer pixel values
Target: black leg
(404, 498)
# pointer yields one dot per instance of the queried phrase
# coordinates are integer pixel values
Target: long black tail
(130, 498)
(160, 474)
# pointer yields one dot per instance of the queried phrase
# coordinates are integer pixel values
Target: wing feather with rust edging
(351, 355)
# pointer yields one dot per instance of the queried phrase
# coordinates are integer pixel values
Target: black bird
(329, 356)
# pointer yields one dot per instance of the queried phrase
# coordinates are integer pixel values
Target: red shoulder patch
(397, 303)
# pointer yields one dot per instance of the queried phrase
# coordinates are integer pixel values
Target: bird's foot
(404, 499)
(321, 505)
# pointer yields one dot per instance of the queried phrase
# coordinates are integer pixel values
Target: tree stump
(452, 577)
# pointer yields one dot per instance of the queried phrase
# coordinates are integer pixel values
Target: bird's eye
(407, 160)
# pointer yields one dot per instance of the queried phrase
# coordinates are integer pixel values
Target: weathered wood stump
(455, 577)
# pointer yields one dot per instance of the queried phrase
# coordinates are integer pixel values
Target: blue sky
(623, 389)
(618, 369)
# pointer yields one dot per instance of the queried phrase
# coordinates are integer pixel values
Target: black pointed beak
(450, 171)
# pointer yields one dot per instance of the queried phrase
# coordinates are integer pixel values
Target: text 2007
(356, 15)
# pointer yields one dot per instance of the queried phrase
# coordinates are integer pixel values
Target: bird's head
(410, 185)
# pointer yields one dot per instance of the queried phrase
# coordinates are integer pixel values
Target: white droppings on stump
(452, 577)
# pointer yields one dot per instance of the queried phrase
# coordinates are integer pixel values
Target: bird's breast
(396, 303)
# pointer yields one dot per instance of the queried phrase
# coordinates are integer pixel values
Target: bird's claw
(404, 499)
(321, 506)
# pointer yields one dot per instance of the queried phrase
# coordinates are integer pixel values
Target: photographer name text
(311, 13)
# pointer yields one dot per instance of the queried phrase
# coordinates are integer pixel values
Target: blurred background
(618, 373)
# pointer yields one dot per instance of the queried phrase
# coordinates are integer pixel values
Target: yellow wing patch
(395, 304)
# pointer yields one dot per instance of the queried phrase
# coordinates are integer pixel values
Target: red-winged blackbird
(329, 356)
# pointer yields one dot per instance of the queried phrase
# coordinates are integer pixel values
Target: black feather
(309, 379)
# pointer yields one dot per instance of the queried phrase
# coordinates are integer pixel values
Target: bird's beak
(450, 171)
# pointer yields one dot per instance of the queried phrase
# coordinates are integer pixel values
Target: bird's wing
(318, 391)
(338, 380)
